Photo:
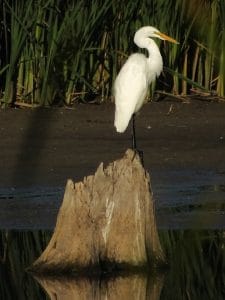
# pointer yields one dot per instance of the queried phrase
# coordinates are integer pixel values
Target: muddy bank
(184, 150)
(47, 146)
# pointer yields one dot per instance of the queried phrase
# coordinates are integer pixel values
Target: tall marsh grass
(18, 250)
(196, 260)
(60, 51)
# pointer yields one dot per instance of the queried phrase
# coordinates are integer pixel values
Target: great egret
(137, 73)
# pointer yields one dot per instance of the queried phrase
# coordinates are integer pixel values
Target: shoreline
(47, 146)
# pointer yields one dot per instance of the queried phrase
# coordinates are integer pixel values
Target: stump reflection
(132, 287)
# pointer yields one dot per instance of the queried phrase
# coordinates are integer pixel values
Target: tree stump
(105, 223)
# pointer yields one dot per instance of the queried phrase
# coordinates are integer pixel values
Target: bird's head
(150, 32)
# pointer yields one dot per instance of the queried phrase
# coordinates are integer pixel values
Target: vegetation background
(54, 51)
(60, 52)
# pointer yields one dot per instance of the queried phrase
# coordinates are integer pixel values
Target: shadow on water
(32, 145)
(196, 263)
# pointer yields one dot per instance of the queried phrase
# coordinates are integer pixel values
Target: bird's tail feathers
(122, 119)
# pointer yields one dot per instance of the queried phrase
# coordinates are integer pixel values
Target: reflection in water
(132, 287)
(196, 270)
(197, 260)
(18, 250)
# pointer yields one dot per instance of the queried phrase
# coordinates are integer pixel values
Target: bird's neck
(155, 61)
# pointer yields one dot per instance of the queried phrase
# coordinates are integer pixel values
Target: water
(187, 199)
(190, 208)
(195, 271)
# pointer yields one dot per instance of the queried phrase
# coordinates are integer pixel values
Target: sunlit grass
(60, 52)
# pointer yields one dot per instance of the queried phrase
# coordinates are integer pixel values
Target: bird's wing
(130, 89)
(132, 81)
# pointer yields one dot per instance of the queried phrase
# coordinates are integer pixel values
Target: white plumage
(132, 82)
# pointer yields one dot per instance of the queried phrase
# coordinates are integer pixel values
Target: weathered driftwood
(132, 287)
(105, 222)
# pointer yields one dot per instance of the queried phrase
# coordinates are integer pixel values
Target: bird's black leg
(134, 142)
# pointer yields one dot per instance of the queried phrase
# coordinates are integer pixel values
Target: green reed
(19, 31)
(19, 249)
(196, 260)
(221, 76)
(208, 47)
(60, 52)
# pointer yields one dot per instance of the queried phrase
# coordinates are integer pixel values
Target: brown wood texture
(105, 222)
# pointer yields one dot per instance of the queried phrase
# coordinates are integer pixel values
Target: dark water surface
(190, 211)
(196, 264)
(187, 199)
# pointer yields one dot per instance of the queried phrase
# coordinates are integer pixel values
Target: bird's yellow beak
(167, 38)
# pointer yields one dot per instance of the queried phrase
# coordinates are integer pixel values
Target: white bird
(132, 82)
